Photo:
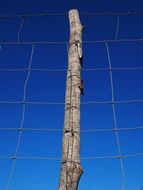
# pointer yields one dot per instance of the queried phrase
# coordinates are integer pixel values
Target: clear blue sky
(50, 86)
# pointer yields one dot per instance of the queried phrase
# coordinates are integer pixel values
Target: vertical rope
(114, 118)
(20, 28)
(22, 121)
(118, 26)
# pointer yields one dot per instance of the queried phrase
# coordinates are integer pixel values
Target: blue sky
(99, 174)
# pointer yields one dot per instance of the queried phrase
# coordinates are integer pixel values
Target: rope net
(32, 82)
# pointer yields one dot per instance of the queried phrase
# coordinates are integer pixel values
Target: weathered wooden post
(71, 169)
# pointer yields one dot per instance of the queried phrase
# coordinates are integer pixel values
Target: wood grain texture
(71, 169)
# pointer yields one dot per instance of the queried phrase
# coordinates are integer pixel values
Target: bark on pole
(71, 169)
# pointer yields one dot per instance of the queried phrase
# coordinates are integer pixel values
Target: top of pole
(73, 11)
(74, 18)
(75, 29)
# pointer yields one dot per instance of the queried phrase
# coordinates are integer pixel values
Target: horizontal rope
(65, 70)
(66, 42)
(112, 13)
(30, 129)
(29, 157)
(82, 158)
(32, 42)
(113, 102)
(32, 15)
(34, 69)
(129, 13)
(82, 130)
(32, 102)
(113, 129)
(113, 157)
(62, 103)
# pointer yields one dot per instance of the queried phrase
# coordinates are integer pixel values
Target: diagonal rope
(114, 118)
(22, 121)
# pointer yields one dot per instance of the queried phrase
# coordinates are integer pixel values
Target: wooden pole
(71, 169)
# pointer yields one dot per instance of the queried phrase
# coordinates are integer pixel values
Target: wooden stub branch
(71, 169)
